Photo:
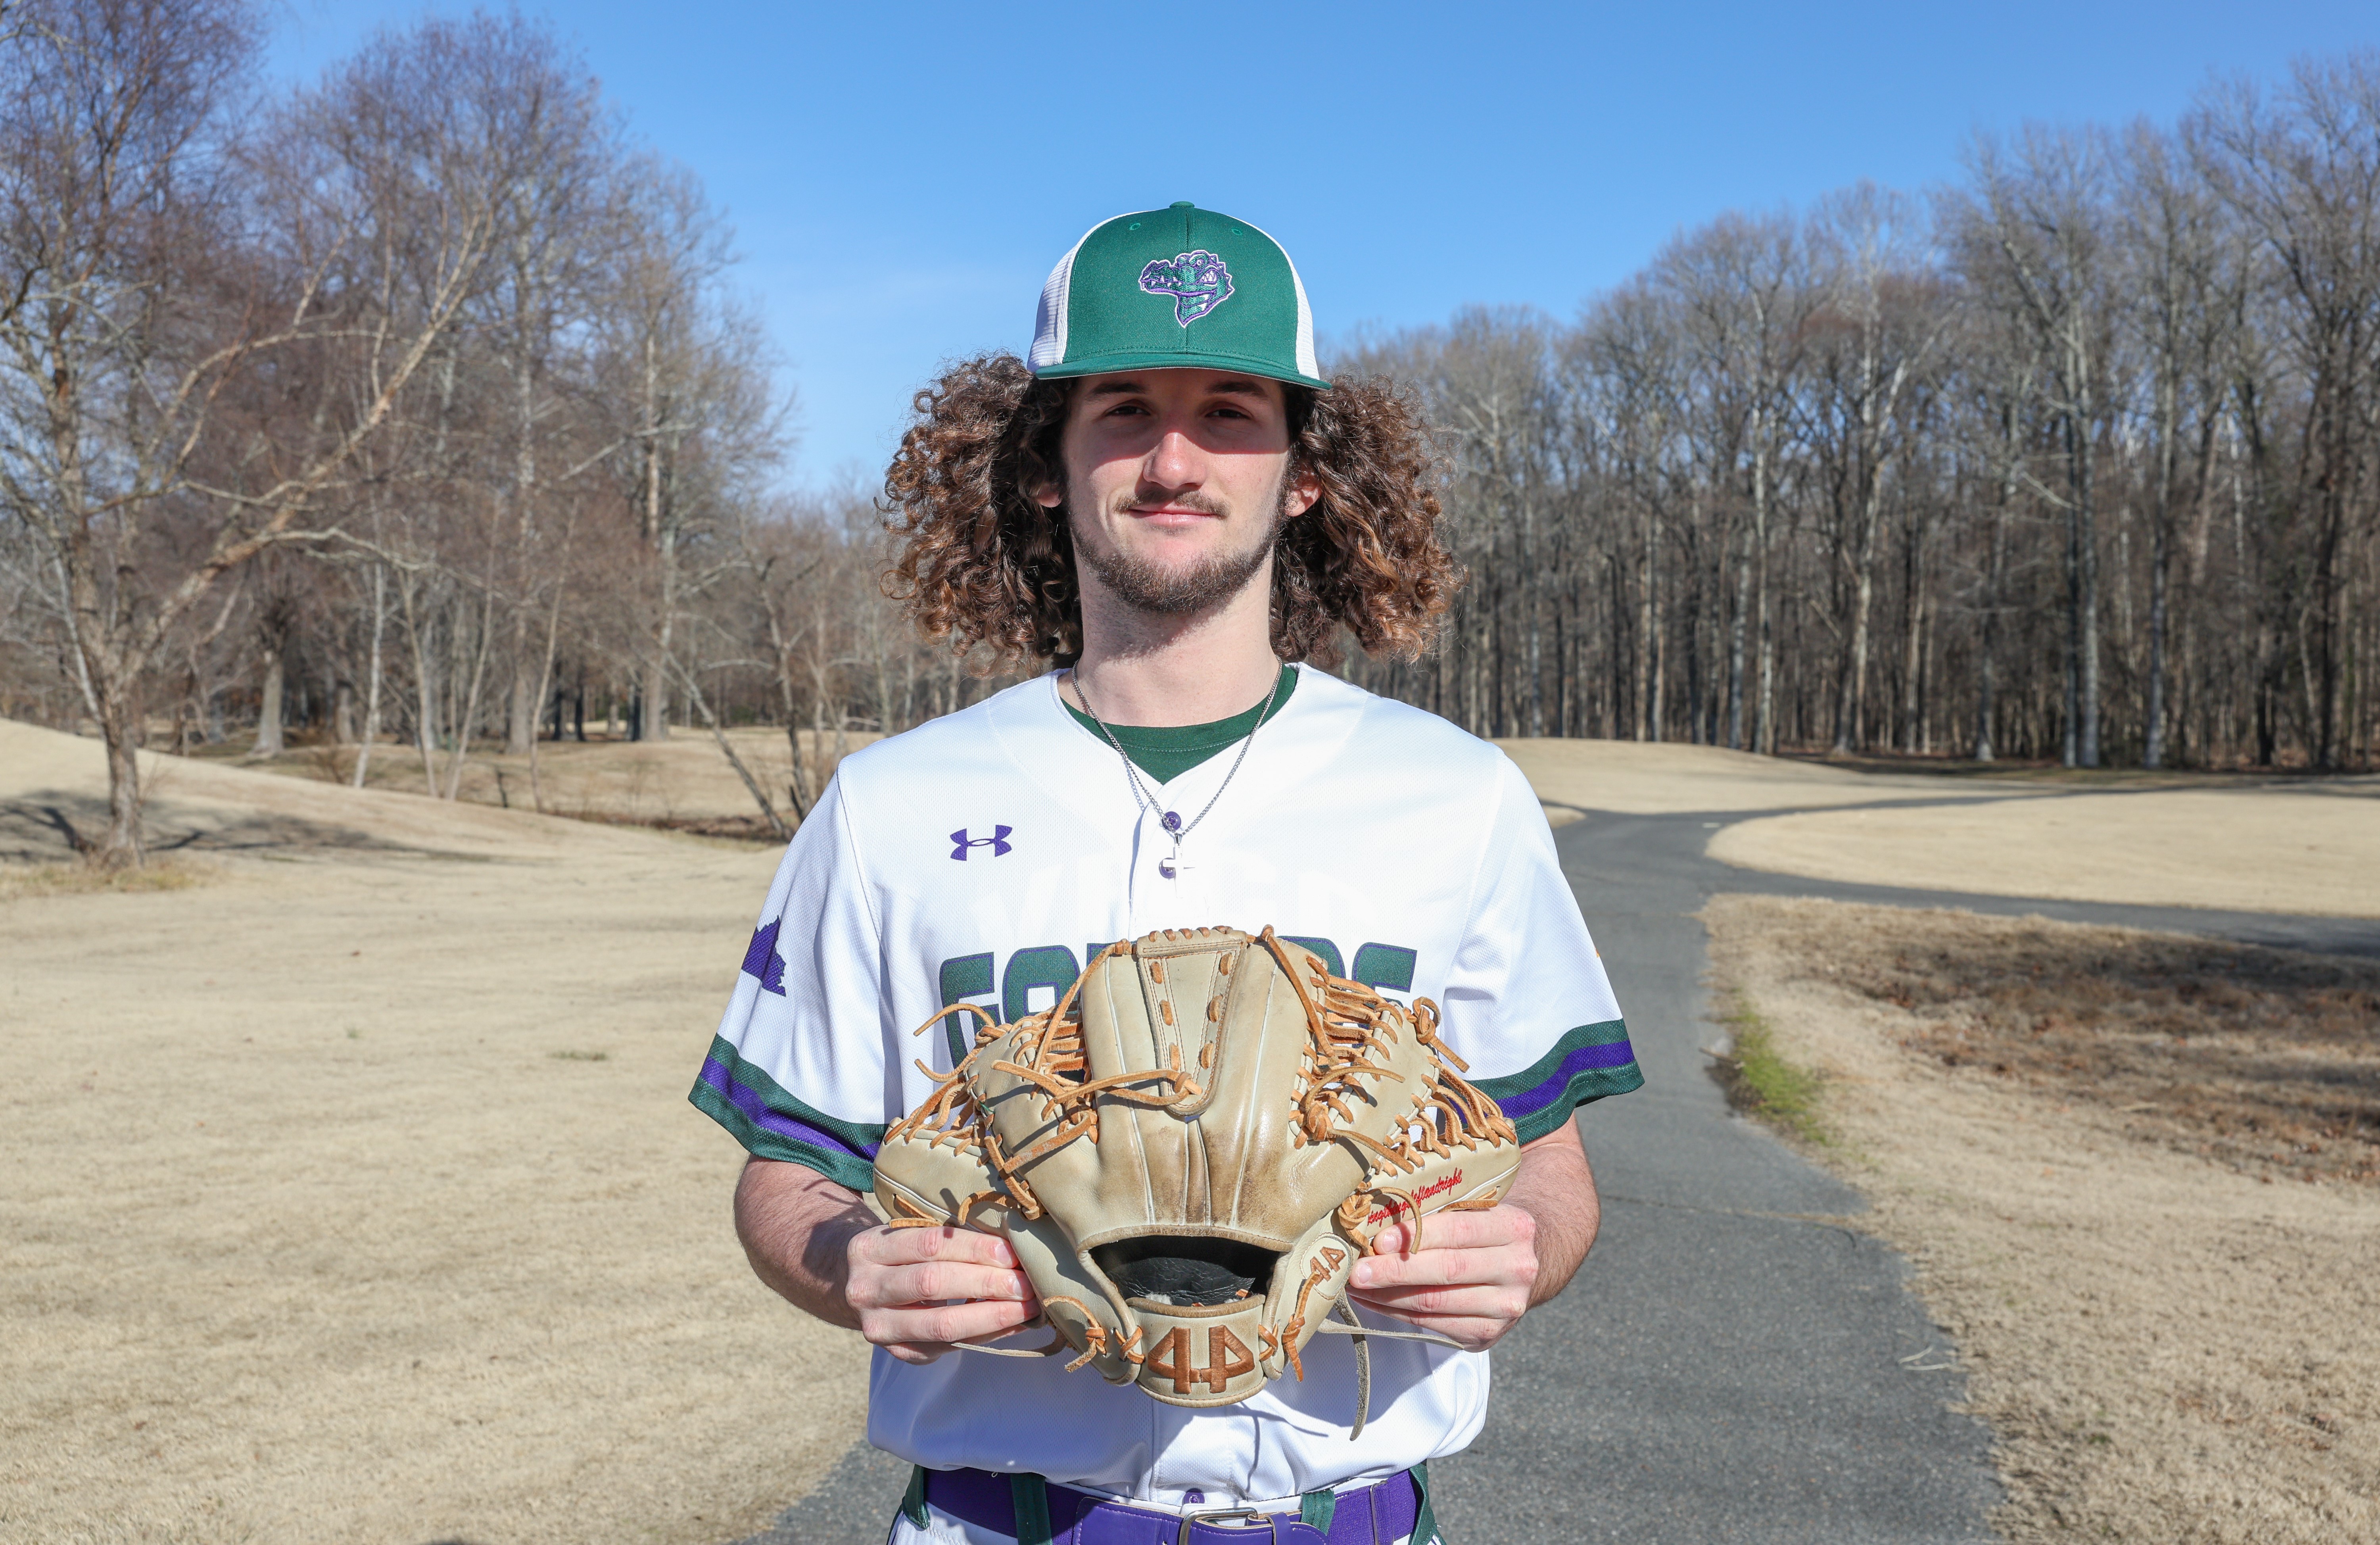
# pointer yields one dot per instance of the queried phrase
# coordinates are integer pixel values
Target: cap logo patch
(1195, 282)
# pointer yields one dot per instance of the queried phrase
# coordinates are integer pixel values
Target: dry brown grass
(77, 879)
(1650, 778)
(2309, 847)
(2169, 1345)
(681, 783)
(355, 1197)
(2267, 1060)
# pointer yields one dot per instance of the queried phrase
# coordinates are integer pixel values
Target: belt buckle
(1182, 1535)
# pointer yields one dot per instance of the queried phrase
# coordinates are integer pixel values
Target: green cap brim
(1173, 360)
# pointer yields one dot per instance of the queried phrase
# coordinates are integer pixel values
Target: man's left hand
(1471, 1282)
(1476, 1273)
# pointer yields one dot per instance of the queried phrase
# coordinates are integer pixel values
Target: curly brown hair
(982, 563)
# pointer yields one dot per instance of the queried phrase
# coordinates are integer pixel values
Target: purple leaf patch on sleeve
(763, 961)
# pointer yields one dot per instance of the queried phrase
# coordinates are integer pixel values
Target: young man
(1168, 502)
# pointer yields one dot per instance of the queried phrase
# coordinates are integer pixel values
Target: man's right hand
(920, 1291)
(905, 1289)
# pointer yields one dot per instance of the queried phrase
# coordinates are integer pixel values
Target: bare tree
(1879, 330)
(143, 396)
(2304, 174)
(1747, 299)
(663, 347)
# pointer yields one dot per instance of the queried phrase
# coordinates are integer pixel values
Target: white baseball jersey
(985, 856)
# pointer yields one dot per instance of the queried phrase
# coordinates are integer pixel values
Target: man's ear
(1049, 496)
(1300, 496)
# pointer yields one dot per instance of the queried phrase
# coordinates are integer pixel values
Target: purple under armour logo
(997, 842)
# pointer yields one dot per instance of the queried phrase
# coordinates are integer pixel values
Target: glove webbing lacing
(1049, 1056)
(1345, 1020)
(1341, 1028)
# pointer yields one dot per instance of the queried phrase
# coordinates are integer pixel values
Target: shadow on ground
(51, 825)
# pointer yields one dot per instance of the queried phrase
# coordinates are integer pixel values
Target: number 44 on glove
(1189, 1151)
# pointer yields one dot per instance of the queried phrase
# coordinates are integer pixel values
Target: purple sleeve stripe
(714, 1073)
(1538, 1096)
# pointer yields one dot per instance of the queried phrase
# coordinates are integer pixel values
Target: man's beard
(1164, 590)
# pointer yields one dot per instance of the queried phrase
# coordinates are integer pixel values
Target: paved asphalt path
(1734, 1364)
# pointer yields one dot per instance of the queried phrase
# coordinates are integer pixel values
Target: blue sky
(900, 180)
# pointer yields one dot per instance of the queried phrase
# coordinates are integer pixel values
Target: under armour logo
(997, 842)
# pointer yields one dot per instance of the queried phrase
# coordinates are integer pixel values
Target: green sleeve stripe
(732, 1068)
(1583, 1089)
(774, 1125)
(844, 1169)
(1587, 1064)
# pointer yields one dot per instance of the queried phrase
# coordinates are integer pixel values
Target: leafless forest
(414, 410)
(2075, 459)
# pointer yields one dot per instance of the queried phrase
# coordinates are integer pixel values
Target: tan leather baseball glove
(1191, 1148)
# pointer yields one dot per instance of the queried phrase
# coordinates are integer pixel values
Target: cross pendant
(1172, 867)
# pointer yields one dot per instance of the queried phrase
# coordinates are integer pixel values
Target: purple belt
(1379, 1514)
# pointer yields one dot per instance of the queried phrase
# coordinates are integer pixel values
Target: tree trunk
(1740, 623)
(1851, 694)
(652, 723)
(425, 695)
(1851, 690)
(1764, 729)
(544, 682)
(2082, 748)
(1535, 643)
(2087, 672)
(1987, 649)
(652, 700)
(1649, 629)
(1913, 664)
(467, 724)
(661, 530)
(371, 684)
(2160, 542)
(119, 722)
(522, 702)
(268, 709)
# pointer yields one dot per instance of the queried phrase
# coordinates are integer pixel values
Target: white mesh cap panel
(1049, 317)
(1306, 363)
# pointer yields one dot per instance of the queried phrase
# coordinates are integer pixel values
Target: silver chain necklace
(1171, 865)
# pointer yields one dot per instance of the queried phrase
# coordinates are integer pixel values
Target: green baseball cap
(1178, 289)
